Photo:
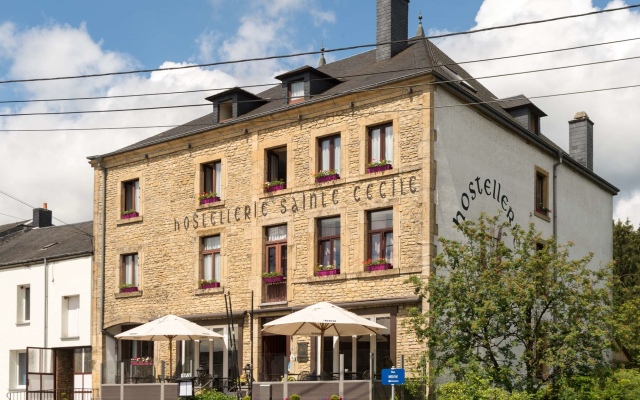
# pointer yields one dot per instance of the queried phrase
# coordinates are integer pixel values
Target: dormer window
(296, 92)
(225, 110)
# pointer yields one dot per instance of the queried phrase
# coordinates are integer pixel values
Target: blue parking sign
(393, 376)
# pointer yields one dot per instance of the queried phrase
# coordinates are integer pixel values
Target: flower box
(378, 168)
(130, 215)
(209, 285)
(273, 279)
(208, 200)
(275, 188)
(141, 363)
(327, 178)
(326, 272)
(129, 289)
(378, 267)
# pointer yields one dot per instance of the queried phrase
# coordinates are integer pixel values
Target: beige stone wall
(169, 184)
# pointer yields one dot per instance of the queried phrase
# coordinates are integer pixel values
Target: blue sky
(45, 38)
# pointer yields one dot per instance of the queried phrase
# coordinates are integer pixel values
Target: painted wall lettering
(492, 188)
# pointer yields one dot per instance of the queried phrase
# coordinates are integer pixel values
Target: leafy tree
(515, 306)
(626, 290)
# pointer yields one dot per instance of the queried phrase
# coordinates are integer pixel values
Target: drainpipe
(102, 259)
(555, 195)
(46, 304)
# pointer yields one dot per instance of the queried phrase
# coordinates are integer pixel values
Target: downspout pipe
(555, 194)
(102, 258)
(46, 304)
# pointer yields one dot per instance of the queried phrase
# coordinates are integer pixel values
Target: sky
(41, 38)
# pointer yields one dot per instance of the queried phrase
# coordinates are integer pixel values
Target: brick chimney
(42, 217)
(581, 139)
(392, 24)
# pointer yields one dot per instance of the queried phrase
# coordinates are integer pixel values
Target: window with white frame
(70, 316)
(381, 144)
(24, 304)
(329, 154)
(19, 370)
(129, 271)
(211, 259)
(296, 91)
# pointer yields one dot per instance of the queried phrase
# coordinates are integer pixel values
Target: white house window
(129, 270)
(381, 144)
(296, 91)
(211, 259)
(70, 316)
(21, 368)
(24, 304)
(329, 151)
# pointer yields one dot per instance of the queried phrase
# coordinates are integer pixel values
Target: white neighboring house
(45, 290)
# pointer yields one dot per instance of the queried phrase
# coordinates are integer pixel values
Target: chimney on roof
(581, 139)
(42, 217)
(392, 25)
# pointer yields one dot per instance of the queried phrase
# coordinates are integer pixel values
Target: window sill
(201, 292)
(70, 338)
(128, 294)
(25, 323)
(207, 206)
(129, 220)
(542, 215)
(275, 303)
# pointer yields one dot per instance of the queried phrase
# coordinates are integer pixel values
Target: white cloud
(629, 208)
(322, 17)
(614, 113)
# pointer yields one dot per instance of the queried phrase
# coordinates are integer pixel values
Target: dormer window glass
(225, 110)
(296, 92)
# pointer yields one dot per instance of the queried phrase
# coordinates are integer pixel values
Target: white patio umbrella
(170, 327)
(322, 319)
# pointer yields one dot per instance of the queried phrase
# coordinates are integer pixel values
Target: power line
(57, 219)
(11, 216)
(319, 52)
(289, 120)
(321, 79)
(320, 96)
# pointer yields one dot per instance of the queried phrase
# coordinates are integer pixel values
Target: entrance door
(274, 354)
(41, 376)
(82, 374)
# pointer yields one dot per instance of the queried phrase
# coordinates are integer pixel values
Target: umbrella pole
(170, 357)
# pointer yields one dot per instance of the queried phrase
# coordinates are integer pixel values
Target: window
(215, 356)
(276, 250)
(380, 235)
(129, 271)
(212, 180)
(329, 154)
(381, 144)
(542, 194)
(70, 316)
(225, 110)
(24, 304)
(20, 368)
(82, 373)
(329, 242)
(296, 92)
(277, 166)
(211, 259)
(131, 196)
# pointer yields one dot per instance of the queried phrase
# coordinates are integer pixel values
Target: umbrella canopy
(323, 319)
(169, 327)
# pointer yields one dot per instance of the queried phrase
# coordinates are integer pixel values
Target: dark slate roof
(34, 245)
(8, 230)
(300, 70)
(232, 90)
(519, 101)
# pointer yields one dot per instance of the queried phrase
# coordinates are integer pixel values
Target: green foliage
(247, 397)
(474, 386)
(626, 290)
(294, 397)
(500, 304)
(334, 397)
(206, 394)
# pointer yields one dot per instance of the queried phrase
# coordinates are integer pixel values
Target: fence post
(122, 380)
(341, 383)
(285, 386)
(371, 375)
(162, 380)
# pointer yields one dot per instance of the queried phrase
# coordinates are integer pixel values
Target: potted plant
(294, 397)
(324, 270)
(335, 397)
(273, 186)
(542, 209)
(208, 283)
(272, 277)
(128, 287)
(206, 198)
(129, 214)
(378, 166)
(326, 175)
(376, 265)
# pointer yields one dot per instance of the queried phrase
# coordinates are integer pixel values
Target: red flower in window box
(325, 270)
(206, 198)
(378, 166)
(326, 176)
(272, 277)
(376, 265)
(127, 288)
(208, 284)
(274, 186)
(130, 214)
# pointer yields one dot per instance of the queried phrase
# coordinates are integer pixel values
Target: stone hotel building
(333, 185)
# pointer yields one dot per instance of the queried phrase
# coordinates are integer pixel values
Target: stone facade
(168, 232)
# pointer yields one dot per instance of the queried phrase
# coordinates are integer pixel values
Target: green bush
(477, 388)
(334, 397)
(247, 397)
(294, 397)
(206, 394)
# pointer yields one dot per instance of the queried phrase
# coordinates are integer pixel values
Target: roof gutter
(61, 257)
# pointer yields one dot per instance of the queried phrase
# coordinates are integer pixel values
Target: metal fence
(56, 394)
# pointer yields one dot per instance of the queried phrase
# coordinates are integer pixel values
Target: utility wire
(320, 79)
(57, 219)
(296, 119)
(322, 51)
(11, 216)
(320, 97)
